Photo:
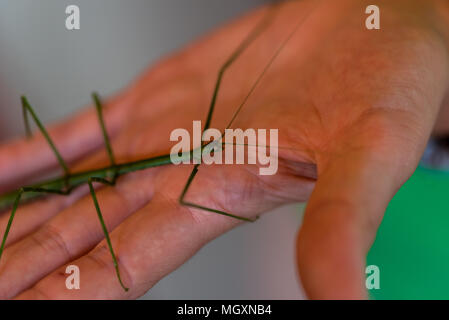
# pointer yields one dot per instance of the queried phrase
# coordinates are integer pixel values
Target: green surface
(412, 244)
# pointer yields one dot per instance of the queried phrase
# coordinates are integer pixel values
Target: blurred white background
(57, 69)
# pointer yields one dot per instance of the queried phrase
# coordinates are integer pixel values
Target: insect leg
(254, 34)
(26, 108)
(16, 205)
(196, 206)
(103, 225)
(99, 108)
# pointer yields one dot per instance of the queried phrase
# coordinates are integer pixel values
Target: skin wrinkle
(174, 204)
(102, 257)
(61, 202)
(275, 191)
(249, 191)
(49, 238)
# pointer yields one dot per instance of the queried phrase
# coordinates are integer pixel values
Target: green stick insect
(109, 175)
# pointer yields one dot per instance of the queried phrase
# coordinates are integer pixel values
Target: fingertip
(330, 258)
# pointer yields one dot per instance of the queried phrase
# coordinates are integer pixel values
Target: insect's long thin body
(77, 179)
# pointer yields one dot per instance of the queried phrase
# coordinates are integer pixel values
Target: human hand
(353, 107)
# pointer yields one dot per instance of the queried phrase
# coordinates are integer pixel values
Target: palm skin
(354, 109)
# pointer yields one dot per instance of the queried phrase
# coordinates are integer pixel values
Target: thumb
(353, 190)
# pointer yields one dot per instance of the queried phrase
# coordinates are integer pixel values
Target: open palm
(354, 109)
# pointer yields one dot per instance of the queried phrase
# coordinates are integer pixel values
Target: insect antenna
(194, 172)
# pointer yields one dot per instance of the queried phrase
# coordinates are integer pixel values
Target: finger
(150, 248)
(343, 214)
(162, 235)
(31, 216)
(153, 242)
(23, 159)
(70, 234)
